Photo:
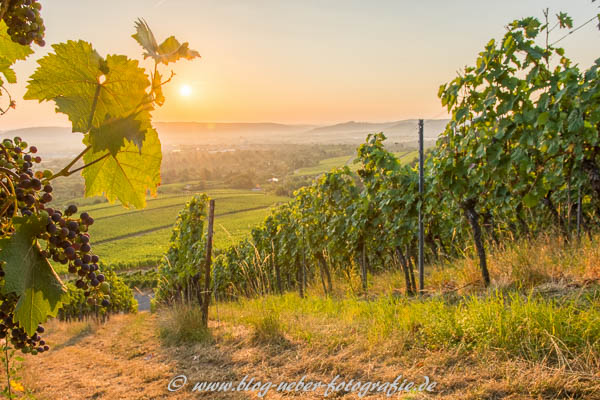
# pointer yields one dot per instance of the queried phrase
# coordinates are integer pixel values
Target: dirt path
(124, 359)
(97, 363)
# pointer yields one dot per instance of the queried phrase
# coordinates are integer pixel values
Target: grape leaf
(145, 38)
(71, 77)
(9, 53)
(128, 175)
(169, 51)
(29, 275)
(111, 135)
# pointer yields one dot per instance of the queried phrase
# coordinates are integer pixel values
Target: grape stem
(11, 103)
(9, 172)
(6, 359)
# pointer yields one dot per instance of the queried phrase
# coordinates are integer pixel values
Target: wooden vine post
(207, 264)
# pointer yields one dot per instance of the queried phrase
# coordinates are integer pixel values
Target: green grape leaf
(76, 77)
(531, 200)
(111, 135)
(126, 176)
(145, 38)
(169, 51)
(10, 52)
(543, 118)
(7, 71)
(30, 275)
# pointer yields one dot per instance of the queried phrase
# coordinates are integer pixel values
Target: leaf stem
(87, 165)
(94, 104)
(65, 170)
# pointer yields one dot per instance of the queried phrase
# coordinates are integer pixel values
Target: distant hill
(352, 126)
(404, 131)
(52, 141)
(175, 133)
(61, 142)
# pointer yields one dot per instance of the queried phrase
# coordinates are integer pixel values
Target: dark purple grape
(72, 209)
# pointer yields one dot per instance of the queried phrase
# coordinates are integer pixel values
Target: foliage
(179, 270)
(114, 289)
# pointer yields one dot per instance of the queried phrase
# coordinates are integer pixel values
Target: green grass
(131, 236)
(181, 324)
(117, 222)
(407, 157)
(325, 165)
(562, 331)
(336, 162)
(151, 246)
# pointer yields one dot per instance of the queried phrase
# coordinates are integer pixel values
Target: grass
(128, 236)
(152, 245)
(181, 324)
(268, 329)
(543, 308)
(335, 162)
(563, 332)
(534, 334)
(326, 165)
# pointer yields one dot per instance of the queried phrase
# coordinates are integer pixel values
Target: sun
(185, 90)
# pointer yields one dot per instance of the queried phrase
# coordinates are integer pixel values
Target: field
(336, 162)
(129, 236)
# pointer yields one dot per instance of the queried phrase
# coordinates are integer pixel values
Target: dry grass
(125, 360)
(541, 343)
(523, 265)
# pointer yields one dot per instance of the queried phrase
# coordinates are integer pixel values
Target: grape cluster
(25, 24)
(64, 240)
(18, 338)
(69, 243)
(16, 163)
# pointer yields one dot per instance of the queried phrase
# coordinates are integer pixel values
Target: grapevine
(523, 142)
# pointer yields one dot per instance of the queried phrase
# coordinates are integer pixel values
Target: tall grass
(181, 323)
(547, 259)
(559, 332)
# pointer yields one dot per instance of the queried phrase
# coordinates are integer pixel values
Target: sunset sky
(309, 61)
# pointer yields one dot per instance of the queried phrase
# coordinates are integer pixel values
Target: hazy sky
(302, 61)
